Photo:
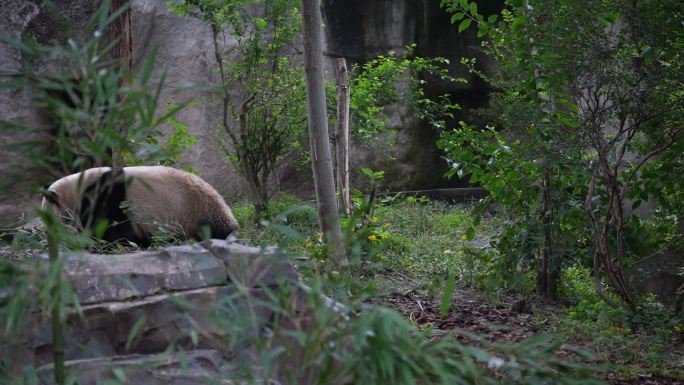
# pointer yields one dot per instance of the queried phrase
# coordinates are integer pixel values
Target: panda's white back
(152, 195)
(173, 197)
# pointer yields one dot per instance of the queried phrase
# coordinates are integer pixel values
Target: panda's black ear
(50, 196)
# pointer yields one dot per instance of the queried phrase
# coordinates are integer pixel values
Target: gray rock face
(360, 30)
(212, 301)
(161, 321)
(185, 51)
(15, 17)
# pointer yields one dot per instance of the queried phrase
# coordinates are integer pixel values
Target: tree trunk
(122, 52)
(318, 130)
(601, 240)
(257, 186)
(121, 29)
(553, 264)
(342, 138)
(545, 283)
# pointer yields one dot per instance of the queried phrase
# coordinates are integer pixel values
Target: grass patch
(419, 244)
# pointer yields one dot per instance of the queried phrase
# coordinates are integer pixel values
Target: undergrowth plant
(397, 78)
(260, 89)
(313, 339)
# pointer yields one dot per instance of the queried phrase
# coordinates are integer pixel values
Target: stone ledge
(196, 367)
(215, 296)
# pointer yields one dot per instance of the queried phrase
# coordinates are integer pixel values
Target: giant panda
(136, 200)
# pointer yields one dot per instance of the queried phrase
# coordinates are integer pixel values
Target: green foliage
(292, 210)
(170, 152)
(417, 239)
(262, 92)
(288, 221)
(83, 92)
(394, 78)
(576, 88)
(361, 343)
(639, 337)
(426, 245)
(422, 240)
(465, 13)
(642, 337)
(577, 285)
(511, 169)
(244, 216)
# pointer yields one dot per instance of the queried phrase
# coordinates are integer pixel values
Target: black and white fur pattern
(136, 200)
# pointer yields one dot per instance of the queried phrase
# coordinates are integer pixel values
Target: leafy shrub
(576, 284)
(292, 211)
(244, 215)
(319, 342)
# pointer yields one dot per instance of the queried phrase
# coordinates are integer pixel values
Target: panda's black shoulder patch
(102, 202)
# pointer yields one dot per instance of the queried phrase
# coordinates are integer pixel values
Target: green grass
(415, 243)
(415, 238)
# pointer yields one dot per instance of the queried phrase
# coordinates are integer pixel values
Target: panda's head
(65, 195)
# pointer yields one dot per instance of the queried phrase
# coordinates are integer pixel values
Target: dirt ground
(511, 320)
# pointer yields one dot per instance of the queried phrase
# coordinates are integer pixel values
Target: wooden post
(321, 162)
(342, 135)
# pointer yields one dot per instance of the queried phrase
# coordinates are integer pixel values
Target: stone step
(149, 325)
(195, 367)
(118, 277)
(187, 297)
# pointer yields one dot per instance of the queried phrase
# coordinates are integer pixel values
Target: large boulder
(180, 315)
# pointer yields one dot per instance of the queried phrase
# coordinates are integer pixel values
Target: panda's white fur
(154, 195)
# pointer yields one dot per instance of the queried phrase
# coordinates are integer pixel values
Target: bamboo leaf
(447, 295)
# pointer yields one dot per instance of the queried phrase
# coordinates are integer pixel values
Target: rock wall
(184, 51)
(360, 30)
(355, 29)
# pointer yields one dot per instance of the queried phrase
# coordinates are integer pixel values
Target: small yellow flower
(309, 244)
(375, 219)
(678, 328)
(373, 237)
(464, 238)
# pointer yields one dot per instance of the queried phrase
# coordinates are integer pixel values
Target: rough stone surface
(250, 266)
(659, 274)
(360, 30)
(197, 367)
(104, 329)
(101, 278)
(185, 51)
